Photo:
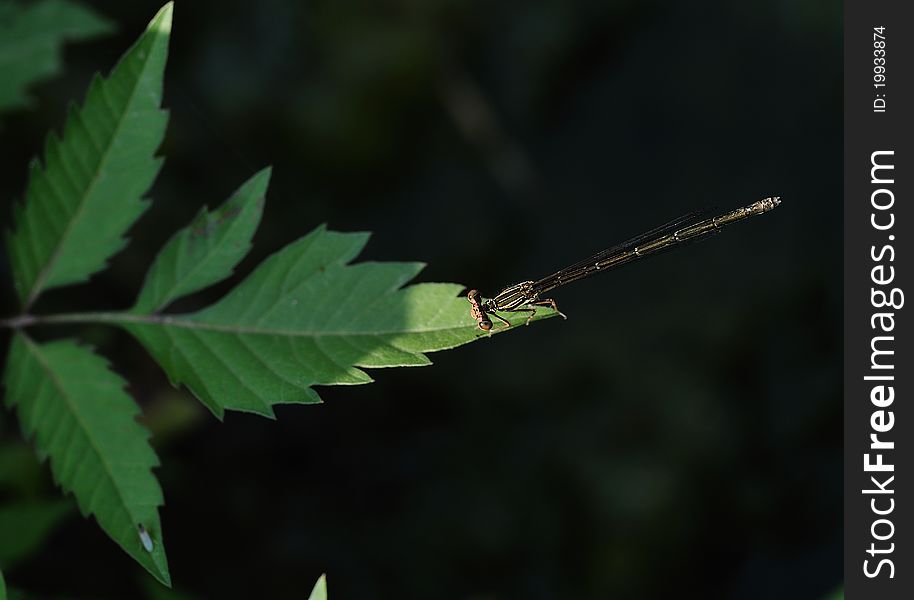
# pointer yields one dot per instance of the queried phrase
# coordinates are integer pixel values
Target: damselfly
(526, 296)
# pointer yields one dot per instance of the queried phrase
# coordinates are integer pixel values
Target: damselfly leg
(530, 308)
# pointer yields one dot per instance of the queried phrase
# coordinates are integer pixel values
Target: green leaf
(153, 590)
(80, 416)
(305, 317)
(320, 589)
(20, 473)
(31, 37)
(836, 595)
(206, 251)
(25, 525)
(89, 191)
(2, 587)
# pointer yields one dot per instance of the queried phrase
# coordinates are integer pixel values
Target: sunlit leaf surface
(306, 317)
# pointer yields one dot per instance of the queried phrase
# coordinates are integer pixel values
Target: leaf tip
(162, 574)
(319, 592)
(162, 21)
(152, 544)
(259, 182)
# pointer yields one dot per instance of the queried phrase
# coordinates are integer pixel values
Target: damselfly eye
(485, 325)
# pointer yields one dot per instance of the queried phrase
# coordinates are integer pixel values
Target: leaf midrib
(171, 294)
(45, 272)
(184, 323)
(55, 380)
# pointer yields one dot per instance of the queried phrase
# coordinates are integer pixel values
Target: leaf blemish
(227, 213)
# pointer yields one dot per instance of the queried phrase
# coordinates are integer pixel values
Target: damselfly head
(763, 206)
(478, 310)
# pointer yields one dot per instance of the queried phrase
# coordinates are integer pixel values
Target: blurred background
(680, 435)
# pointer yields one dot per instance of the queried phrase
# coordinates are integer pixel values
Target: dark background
(678, 436)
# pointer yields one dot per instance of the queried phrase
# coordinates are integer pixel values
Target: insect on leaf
(81, 201)
(306, 317)
(80, 417)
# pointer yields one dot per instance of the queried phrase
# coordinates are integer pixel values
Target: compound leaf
(79, 204)
(306, 317)
(206, 251)
(80, 416)
(30, 40)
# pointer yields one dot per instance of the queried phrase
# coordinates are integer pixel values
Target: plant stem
(26, 320)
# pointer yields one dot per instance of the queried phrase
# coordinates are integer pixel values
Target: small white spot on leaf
(146, 539)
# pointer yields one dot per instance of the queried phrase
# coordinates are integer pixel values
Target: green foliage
(2, 587)
(25, 525)
(206, 251)
(30, 41)
(319, 592)
(79, 415)
(152, 590)
(320, 589)
(20, 472)
(304, 317)
(81, 202)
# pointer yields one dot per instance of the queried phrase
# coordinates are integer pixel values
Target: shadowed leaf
(81, 418)
(88, 192)
(206, 251)
(25, 525)
(31, 37)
